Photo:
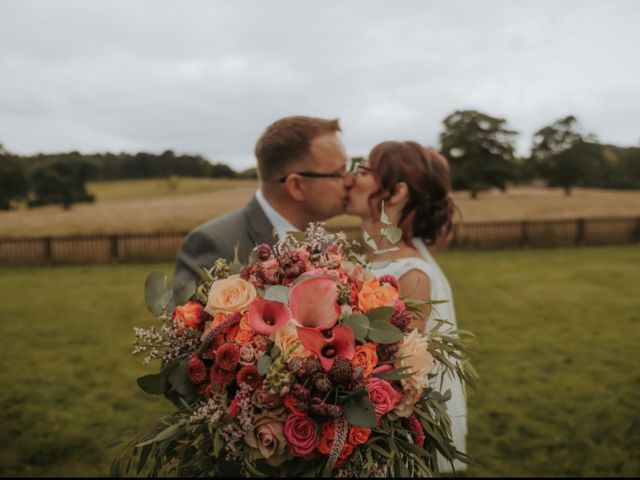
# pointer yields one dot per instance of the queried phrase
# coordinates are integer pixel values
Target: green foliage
(14, 184)
(61, 181)
(480, 149)
(359, 411)
(556, 353)
(558, 154)
(116, 166)
(157, 292)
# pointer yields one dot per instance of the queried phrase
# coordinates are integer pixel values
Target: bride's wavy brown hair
(430, 208)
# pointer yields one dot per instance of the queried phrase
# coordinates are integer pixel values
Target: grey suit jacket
(217, 238)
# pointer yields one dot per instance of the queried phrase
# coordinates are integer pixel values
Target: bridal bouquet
(299, 363)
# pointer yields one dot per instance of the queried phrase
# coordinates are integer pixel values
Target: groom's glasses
(340, 175)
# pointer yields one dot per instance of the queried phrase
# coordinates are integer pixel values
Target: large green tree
(480, 149)
(561, 155)
(14, 184)
(61, 181)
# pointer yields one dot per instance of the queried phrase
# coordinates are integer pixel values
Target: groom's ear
(294, 187)
(400, 194)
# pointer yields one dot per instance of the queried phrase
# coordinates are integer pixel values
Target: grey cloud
(207, 77)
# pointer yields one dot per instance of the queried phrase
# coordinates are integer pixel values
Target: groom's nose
(349, 180)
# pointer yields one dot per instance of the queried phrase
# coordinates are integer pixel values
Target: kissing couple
(304, 177)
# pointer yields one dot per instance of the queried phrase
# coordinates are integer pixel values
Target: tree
(480, 150)
(61, 181)
(558, 154)
(14, 184)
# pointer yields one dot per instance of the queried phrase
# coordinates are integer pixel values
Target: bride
(415, 186)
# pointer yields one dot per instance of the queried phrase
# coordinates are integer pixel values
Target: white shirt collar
(280, 224)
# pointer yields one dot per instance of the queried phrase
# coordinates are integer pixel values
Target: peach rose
(189, 314)
(365, 357)
(244, 337)
(287, 336)
(413, 353)
(373, 295)
(356, 273)
(230, 295)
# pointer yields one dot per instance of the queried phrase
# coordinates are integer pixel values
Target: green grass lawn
(558, 336)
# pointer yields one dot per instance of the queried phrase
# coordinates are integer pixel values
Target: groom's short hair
(286, 142)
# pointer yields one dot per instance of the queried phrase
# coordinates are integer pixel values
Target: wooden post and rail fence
(160, 247)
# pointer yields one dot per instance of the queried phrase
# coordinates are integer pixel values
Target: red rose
(347, 450)
(301, 434)
(358, 435)
(383, 396)
(189, 314)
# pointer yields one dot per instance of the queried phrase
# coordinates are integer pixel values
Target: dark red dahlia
(197, 370)
(402, 320)
(228, 356)
(221, 376)
(250, 376)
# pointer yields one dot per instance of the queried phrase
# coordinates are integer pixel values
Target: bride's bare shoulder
(415, 283)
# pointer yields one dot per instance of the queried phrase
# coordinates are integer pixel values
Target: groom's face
(326, 197)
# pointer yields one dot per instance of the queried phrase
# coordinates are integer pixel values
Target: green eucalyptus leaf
(163, 435)
(380, 313)
(253, 257)
(157, 292)
(264, 362)
(178, 377)
(275, 352)
(359, 325)
(218, 444)
(277, 293)
(154, 384)
(359, 410)
(185, 293)
(395, 374)
(381, 331)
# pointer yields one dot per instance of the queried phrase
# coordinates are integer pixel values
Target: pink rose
(301, 434)
(383, 396)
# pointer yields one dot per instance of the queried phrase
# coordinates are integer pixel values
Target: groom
(302, 167)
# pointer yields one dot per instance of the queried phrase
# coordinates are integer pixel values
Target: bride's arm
(417, 285)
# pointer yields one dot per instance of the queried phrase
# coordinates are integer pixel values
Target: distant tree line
(481, 152)
(480, 149)
(60, 178)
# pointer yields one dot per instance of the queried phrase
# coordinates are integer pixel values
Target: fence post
(580, 231)
(113, 241)
(524, 233)
(48, 253)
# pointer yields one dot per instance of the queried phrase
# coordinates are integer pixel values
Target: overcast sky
(207, 77)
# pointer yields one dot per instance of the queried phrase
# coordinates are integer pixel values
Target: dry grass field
(180, 204)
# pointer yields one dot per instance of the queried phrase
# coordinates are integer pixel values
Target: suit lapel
(259, 227)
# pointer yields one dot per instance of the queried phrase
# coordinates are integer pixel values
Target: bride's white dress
(440, 290)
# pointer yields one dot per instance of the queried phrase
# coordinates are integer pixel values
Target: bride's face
(364, 186)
